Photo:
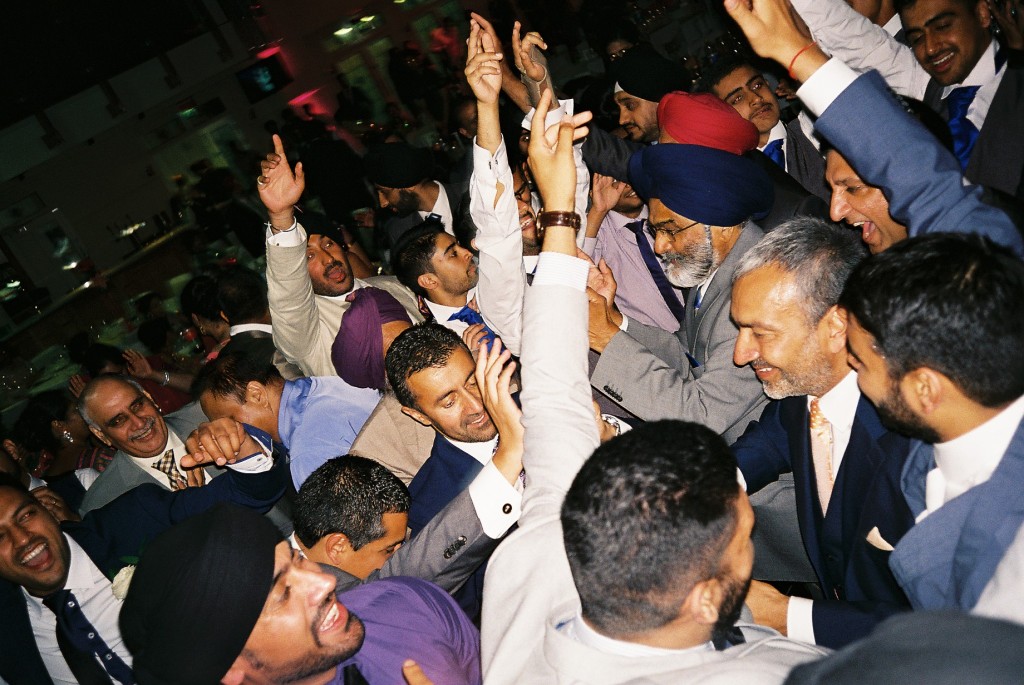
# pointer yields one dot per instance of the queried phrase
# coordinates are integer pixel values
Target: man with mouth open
(257, 611)
(308, 276)
(61, 585)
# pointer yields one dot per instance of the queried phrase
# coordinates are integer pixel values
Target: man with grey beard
(701, 202)
(846, 465)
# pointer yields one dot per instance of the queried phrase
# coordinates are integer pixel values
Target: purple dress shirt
(409, 618)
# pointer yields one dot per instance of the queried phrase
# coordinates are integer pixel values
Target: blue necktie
(775, 153)
(471, 316)
(653, 265)
(965, 133)
(85, 642)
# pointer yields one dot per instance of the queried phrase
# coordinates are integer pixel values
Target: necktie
(167, 466)
(776, 153)
(653, 265)
(821, 453)
(965, 133)
(80, 643)
(471, 316)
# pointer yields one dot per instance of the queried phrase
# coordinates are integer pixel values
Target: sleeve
(497, 502)
(850, 36)
(762, 452)
(499, 240)
(608, 155)
(799, 624)
(921, 179)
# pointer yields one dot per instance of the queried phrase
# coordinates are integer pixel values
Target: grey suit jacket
(446, 552)
(123, 473)
(647, 370)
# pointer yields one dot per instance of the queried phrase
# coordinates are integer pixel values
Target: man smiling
(257, 611)
(861, 205)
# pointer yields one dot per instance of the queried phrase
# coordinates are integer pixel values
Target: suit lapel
(794, 415)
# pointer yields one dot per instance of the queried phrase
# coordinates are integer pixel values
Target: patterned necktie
(776, 153)
(80, 643)
(653, 265)
(166, 466)
(965, 133)
(471, 316)
(821, 453)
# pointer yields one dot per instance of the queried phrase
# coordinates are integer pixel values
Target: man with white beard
(701, 204)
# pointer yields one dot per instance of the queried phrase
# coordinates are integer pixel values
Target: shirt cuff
(482, 159)
(624, 326)
(800, 620)
(825, 85)
(554, 115)
(588, 246)
(259, 462)
(555, 268)
(498, 503)
(293, 237)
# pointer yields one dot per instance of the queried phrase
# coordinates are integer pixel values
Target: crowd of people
(709, 397)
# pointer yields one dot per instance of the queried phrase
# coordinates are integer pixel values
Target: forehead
(739, 76)
(11, 500)
(769, 297)
(112, 397)
(442, 241)
(438, 381)
(917, 14)
(836, 165)
(659, 213)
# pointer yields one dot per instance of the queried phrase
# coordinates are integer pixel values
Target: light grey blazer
(647, 371)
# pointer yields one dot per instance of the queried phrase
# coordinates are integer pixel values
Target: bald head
(123, 415)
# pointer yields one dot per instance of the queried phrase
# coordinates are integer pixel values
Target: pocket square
(876, 540)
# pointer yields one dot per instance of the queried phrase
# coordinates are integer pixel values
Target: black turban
(643, 72)
(397, 165)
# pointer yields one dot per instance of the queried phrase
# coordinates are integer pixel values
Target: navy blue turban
(701, 183)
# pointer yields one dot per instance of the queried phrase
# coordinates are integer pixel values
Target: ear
(923, 390)
(195, 320)
(336, 547)
(100, 436)
(464, 133)
(428, 281)
(57, 428)
(417, 416)
(223, 317)
(12, 450)
(701, 605)
(984, 13)
(235, 674)
(256, 393)
(835, 321)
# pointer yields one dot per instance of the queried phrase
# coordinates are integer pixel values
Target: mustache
(150, 422)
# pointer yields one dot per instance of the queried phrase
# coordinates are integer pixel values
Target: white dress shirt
(443, 208)
(489, 487)
(442, 313)
(246, 327)
(578, 630)
(96, 597)
(969, 460)
(839, 406)
(173, 442)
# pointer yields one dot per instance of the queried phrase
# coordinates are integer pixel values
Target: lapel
(996, 158)
(794, 415)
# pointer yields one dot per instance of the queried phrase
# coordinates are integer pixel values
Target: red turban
(704, 120)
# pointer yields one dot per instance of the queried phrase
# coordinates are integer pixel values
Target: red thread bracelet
(800, 52)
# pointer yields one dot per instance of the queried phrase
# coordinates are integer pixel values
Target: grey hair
(819, 254)
(90, 390)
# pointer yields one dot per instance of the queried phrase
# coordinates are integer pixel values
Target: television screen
(263, 78)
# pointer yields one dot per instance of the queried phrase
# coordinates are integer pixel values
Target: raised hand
(1009, 15)
(605, 193)
(550, 155)
(493, 376)
(280, 187)
(775, 30)
(483, 68)
(522, 50)
(136, 364)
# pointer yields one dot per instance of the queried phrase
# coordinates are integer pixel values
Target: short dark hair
(200, 297)
(232, 370)
(950, 302)
(98, 355)
(646, 518)
(426, 345)
(9, 481)
(153, 333)
(242, 295)
(411, 255)
(348, 495)
(900, 5)
(712, 74)
(33, 431)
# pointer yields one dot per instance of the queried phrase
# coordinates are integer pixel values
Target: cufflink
(506, 508)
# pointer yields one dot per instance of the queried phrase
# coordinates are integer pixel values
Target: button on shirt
(970, 459)
(97, 600)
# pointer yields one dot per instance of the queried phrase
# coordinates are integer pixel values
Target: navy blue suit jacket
(854, 574)
(114, 536)
(447, 472)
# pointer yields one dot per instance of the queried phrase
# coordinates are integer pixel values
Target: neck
(427, 193)
(446, 299)
(762, 139)
(274, 394)
(264, 320)
(963, 418)
(673, 635)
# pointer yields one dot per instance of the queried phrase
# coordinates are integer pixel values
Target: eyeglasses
(670, 233)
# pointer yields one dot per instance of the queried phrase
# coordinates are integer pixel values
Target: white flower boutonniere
(121, 582)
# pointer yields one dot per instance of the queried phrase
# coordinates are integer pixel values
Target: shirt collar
(356, 285)
(578, 630)
(983, 72)
(894, 25)
(778, 132)
(839, 405)
(480, 451)
(245, 327)
(442, 208)
(970, 459)
(441, 312)
(82, 573)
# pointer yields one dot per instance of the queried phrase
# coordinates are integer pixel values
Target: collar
(356, 285)
(82, 572)
(480, 451)
(245, 327)
(983, 72)
(894, 25)
(778, 132)
(702, 288)
(173, 443)
(970, 459)
(441, 312)
(839, 405)
(577, 629)
(442, 208)
(619, 221)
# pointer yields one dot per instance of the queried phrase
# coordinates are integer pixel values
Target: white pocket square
(876, 540)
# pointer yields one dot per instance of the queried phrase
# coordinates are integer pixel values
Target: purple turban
(358, 349)
(701, 183)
